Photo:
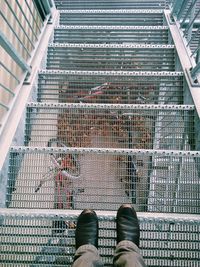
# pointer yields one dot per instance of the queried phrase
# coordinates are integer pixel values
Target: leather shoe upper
(127, 224)
(87, 229)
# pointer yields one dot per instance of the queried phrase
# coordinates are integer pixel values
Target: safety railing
(187, 13)
(21, 24)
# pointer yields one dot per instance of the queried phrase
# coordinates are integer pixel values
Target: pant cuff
(128, 244)
(87, 247)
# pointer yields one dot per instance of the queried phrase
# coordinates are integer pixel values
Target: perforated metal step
(109, 4)
(111, 57)
(126, 17)
(153, 180)
(117, 87)
(30, 238)
(111, 125)
(111, 34)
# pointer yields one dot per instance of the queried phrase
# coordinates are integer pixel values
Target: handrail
(187, 13)
(21, 26)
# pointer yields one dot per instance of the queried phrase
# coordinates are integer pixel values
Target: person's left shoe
(87, 229)
(127, 224)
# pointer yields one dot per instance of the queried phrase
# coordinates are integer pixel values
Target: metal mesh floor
(111, 126)
(159, 181)
(127, 17)
(111, 57)
(111, 34)
(38, 239)
(143, 87)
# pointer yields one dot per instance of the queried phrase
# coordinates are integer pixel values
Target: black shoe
(87, 229)
(127, 224)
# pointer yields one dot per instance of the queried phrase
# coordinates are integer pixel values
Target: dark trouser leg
(87, 256)
(127, 254)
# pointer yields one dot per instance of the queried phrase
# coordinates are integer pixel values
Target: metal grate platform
(111, 57)
(30, 238)
(153, 180)
(111, 34)
(109, 4)
(114, 17)
(114, 126)
(144, 87)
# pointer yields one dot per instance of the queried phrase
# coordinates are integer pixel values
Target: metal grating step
(41, 238)
(144, 87)
(103, 179)
(110, 4)
(111, 34)
(125, 17)
(114, 126)
(111, 57)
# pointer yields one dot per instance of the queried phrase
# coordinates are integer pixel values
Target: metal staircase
(112, 102)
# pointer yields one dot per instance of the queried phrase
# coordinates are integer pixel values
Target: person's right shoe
(87, 229)
(127, 224)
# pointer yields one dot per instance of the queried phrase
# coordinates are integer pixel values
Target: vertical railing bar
(12, 52)
(33, 17)
(188, 11)
(180, 12)
(190, 25)
(41, 9)
(21, 27)
(26, 19)
(9, 72)
(196, 50)
(7, 89)
(38, 13)
(4, 106)
(195, 70)
(197, 32)
(47, 6)
(29, 54)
